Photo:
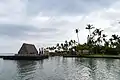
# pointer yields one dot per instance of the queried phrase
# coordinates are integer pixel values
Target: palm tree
(103, 36)
(111, 42)
(99, 33)
(74, 42)
(89, 38)
(119, 40)
(51, 48)
(58, 46)
(77, 30)
(70, 44)
(71, 41)
(115, 37)
(97, 42)
(66, 42)
(116, 40)
(62, 46)
(89, 27)
(66, 45)
(106, 43)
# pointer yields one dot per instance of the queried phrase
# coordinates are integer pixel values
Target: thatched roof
(28, 49)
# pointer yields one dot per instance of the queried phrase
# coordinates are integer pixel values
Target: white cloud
(12, 11)
(57, 25)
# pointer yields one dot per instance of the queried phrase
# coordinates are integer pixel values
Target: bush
(111, 51)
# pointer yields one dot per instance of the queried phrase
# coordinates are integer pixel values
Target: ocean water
(59, 68)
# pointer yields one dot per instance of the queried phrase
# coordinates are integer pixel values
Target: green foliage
(111, 51)
(96, 43)
(82, 47)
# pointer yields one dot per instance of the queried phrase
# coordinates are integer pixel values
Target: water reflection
(41, 64)
(85, 68)
(26, 69)
(94, 69)
(108, 64)
(59, 68)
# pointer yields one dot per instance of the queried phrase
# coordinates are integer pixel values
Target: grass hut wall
(28, 49)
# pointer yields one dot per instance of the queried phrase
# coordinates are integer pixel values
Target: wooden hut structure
(27, 49)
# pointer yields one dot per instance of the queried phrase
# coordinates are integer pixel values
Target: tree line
(97, 43)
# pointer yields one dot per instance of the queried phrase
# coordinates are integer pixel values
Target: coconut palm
(115, 37)
(111, 42)
(62, 45)
(99, 33)
(116, 40)
(119, 40)
(74, 42)
(77, 31)
(97, 42)
(90, 37)
(89, 27)
(58, 46)
(70, 44)
(104, 36)
(66, 45)
(71, 41)
(51, 48)
(106, 43)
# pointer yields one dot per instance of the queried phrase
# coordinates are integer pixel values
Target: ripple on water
(58, 68)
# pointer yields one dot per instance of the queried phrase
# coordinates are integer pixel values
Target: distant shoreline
(94, 56)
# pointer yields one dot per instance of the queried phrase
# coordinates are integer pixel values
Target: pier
(24, 57)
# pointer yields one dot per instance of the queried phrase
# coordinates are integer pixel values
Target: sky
(47, 22)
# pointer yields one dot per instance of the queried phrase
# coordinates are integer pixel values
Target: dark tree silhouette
(77, 31)
(89, 27)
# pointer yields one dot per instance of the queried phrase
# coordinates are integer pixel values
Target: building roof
(29, 48)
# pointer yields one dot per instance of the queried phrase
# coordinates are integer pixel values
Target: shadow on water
(26, 69)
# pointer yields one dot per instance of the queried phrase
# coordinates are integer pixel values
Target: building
(27, 50)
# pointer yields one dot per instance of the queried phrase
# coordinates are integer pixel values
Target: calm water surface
(58, 68)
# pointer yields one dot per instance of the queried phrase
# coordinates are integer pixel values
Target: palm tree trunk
(78, 38)
(90, 32)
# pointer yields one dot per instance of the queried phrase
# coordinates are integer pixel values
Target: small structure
(85, 51)
(27, 50)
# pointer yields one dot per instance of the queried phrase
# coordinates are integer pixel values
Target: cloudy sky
(46, 22)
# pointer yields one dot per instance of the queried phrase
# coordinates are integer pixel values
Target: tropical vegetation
(97, 43)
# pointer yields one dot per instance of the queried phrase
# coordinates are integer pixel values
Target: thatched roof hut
(28, 49)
